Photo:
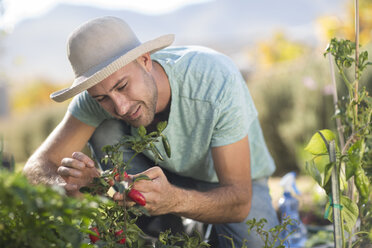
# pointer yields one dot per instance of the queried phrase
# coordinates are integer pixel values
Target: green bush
(292, 100)
(41, 216)
(24, 133)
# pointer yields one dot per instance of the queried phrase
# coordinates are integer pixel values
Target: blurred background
(278, 46)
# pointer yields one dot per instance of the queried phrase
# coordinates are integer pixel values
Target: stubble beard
(148, 106)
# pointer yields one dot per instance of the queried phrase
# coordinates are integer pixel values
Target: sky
(17, 10)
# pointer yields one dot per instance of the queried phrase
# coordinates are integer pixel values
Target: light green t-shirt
(210, 106)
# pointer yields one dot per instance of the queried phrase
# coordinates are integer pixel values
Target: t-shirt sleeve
(235, 112)
(86, 109)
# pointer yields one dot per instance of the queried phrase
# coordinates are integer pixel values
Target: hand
(77, 172)
(158, 192)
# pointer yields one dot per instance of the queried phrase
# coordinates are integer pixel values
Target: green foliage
(354, 157)
(6, 162)
(271, 238)
(320, 238)
(342, 51)
(24, 133)
(115, 217)
(40, 216)
(292, 101)
(167, 240)
(349, 212)
(316, 145)
(138, 143)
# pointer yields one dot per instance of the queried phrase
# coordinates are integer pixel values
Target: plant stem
(340, 129)
(354, 136)
(337, 220)
(356, 86)
(356, 82)
(348, 84)
(134, 155)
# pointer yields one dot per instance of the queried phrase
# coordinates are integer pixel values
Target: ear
(145, 61)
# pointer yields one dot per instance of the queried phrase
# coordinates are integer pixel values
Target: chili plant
(117, 225)
(333, 166)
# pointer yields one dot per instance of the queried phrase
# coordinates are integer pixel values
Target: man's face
(129, 94)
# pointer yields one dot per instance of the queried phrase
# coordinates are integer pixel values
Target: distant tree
(344, 27)
(277, 49)
(33, 94)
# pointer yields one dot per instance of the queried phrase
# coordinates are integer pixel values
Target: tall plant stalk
(349, 162)
(351, 190)
(340, 129)
(338, 229)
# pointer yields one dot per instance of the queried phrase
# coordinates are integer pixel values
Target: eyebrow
(113, 87)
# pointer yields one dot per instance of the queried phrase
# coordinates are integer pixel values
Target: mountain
(37, 47)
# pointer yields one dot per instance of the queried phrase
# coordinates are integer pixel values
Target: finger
(111, 182)
(152, 173)
(118, 197)
(73, 163)
(68, 172)
(144, 186)
(69, 186)
(83, 158)
(127, 204)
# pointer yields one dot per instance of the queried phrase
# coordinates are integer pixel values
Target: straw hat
(100, 47)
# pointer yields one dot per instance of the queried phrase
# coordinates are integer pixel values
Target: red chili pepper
(117, 178)
(94, 238)
(111, 182)
(120, 233)
(137, 197)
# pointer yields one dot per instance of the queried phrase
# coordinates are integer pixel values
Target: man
(219, 165)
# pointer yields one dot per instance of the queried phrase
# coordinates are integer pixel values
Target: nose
(121, 105)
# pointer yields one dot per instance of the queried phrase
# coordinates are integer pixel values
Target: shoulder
(200, 72)
(199, 58)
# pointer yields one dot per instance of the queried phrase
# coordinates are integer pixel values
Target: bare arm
(68, 137)
(230, 202)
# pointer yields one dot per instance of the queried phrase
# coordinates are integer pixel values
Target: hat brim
(102, 71)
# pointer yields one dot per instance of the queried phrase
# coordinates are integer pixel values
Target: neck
(164, 90)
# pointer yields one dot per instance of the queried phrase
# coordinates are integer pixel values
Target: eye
(120, 88)
(101, 99)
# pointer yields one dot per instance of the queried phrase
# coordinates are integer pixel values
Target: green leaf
(141, 177)
(327, 173)
(349, 213)
(85, 190)
(321, 162)
(142, 131)
(119, 187)
(316, 145)
(354, 159)
(166, 145)
(328, 187)
(161, 126)
(156, 152)
(314, 172)
(351, 165)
